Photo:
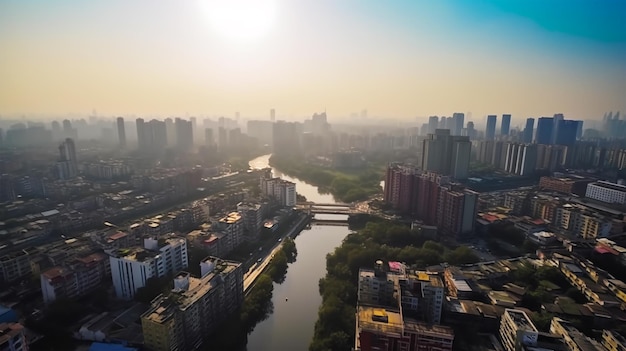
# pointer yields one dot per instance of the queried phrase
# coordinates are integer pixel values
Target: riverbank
(387, 241)
(346, 186)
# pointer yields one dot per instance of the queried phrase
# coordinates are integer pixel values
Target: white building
(607, 192)
(516, 328)
(131, 268)
(282, 190)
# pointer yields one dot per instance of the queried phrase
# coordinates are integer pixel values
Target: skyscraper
(506, 125)
(471, 131)
(528, 130)
(208, 137)
(272, 115)
(433, 124)
(121, 131)
(556, 123)
(141, 140)
(545, 129)
(458, 121)
(184, 134)
(566, 132)
(490, 130)
(446, 154)
(67, 166)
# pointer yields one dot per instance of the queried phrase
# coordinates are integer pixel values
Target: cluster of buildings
(482, 297)
(399, 309)
(196, 306)
(432, 198)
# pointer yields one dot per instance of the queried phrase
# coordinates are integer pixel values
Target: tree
(433, 245)
(461, 255)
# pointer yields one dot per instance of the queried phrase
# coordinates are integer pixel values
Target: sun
(240, 20)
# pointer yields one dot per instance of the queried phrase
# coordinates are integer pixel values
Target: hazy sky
(393, 58)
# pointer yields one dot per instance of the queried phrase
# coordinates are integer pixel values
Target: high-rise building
(195, 308)
(121, 131)
(566, 131)
(400, 184)
(141, 132)
(471, 130)
(184, 134)
(456, 210)
(67, 166)
(170, 132)
(286, 137)
(272, 115)
(520, 159)
(262, 131)
(556, 124)
(528, 131)
(446, 154)
(132, 267)
(433, 124)
(209, 140)
(459, 121)
(490, 129)
(545, 129)
(506, 124)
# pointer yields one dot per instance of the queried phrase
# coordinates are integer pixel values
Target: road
(250, 277)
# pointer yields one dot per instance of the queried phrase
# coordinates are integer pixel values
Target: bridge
(326, 208)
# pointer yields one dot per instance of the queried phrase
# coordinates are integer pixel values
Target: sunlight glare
(240, 20)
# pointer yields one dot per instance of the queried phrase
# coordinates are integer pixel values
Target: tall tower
(272, 115)
(121, 131)
(528, 130)
(490, 131)
(141, 134)
(458, 120)
(506, 125)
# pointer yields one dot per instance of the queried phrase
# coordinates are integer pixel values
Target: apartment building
(574, 339)
(252, 216)
(196, 306)
(400, 310)
(613, 341)
(77, 278)
(132, 267)
(608, 192)
(283, 191)
(232, 226)
(516, 328)
(14, 265)
(12, 337)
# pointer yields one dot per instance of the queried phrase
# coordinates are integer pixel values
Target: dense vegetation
(344, 185)
(334, 329)
(505, 239)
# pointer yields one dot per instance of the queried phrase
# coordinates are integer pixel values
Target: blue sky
(396, 58)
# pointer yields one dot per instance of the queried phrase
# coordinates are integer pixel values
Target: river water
(297, 299)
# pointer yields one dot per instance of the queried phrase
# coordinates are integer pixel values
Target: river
(297, 299)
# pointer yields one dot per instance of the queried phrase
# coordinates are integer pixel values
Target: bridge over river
(327, 208)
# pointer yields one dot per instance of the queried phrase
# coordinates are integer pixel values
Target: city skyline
(395, 59)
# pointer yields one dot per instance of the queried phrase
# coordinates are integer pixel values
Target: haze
(395, 58)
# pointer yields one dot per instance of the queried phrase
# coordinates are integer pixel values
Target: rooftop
(521, 320)
(9, 331)
(231, 218)
(380, 320)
